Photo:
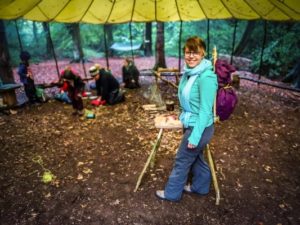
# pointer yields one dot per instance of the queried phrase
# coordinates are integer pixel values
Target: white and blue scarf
(184, 97)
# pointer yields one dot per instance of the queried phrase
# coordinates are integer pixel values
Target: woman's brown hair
(194, 43)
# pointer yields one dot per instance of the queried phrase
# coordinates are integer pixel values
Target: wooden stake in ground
(150, 158)
(213, 173)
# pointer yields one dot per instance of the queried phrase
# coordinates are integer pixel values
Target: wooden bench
(7, 92)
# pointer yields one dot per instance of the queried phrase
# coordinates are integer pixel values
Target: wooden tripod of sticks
(151, 158)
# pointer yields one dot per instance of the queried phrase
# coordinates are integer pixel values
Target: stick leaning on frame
(150, 158)
(209, 154)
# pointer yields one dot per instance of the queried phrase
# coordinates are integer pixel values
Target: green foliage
(91, 36)
(280, 52)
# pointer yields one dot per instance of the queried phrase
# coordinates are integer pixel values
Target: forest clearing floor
(96, 164)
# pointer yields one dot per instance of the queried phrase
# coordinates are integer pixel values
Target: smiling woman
(196, 92)
(194, 51)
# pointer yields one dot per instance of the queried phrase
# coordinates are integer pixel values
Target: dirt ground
(96, 164)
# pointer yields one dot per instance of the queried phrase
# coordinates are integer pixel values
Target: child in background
(26, 77)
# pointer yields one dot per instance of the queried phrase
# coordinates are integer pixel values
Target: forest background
(280, 53)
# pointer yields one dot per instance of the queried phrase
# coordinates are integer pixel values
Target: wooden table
(7, 92)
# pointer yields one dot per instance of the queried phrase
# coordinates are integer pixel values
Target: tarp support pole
(105, 45)
(262, 49)
(52, 47)
(233, 40)
(130, 34)
(207, 49)
(18, 34)
(83, 66)
(179, 47)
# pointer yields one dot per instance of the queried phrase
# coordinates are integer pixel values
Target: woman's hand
(191, 145)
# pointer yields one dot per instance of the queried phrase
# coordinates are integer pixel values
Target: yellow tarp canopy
(121, 11)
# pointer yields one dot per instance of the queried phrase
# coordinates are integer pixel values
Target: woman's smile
(192, 59)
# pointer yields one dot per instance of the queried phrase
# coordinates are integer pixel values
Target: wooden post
(150, 158)
(213, 173)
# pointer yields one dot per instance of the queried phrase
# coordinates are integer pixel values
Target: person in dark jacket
(74, 87)
(130, 74)
(107, 86)
(26, 77)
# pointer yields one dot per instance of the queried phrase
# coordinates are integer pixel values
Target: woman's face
(193, 58)
(97, 77)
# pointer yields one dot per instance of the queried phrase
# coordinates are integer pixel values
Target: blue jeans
(190, 160)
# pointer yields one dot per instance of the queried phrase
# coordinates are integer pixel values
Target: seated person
(74, 85)
(130, 74)
(107, 87)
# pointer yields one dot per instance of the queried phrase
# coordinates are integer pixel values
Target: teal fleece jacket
(200, 101)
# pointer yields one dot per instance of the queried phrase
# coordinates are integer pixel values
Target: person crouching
(107, 86)
(74, 88)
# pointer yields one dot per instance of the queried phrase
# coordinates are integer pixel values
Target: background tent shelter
(125, 46)
(121, 11)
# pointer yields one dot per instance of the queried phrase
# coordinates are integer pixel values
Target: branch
(157, 75)
(150, 158)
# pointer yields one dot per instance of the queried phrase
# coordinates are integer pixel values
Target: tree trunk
(148, 40)
(48, 41)
(109, 37)
(160, 47)
(74, 31)
(34, 31)
(293, 76)
(6, 73)
(245, 38)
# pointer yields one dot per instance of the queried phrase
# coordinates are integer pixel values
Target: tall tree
(148, 39)
(109, 37)
(160, 46)
(34, 31)
(6, 73)
(294, 75)
(74, 31)
(245, 38)
(48, 41)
